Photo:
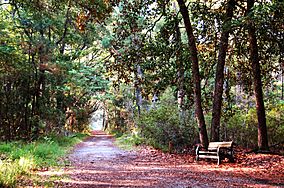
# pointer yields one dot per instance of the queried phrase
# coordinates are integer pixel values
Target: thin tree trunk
(282, 77)
(254, 59)
(179, 64)
(138, 88)
(105, 118)
(196, 76)
(180, 68)
(180, 76)
(219, 77)
(281, 62)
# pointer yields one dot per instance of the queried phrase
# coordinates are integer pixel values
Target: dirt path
(97, 162)
(96, 148)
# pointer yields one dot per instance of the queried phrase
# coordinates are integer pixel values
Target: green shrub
(46, 154)
(275, 125)
(163, 127)
(242, 127)
(127, 141)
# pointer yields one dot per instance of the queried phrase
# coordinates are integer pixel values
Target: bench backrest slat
(220, 144)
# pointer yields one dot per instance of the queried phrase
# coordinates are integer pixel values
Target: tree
(254, 59)
(180, 67)
(219, 76)
(47, 67)
(196, 76)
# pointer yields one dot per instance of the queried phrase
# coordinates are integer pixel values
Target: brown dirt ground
(97, 162)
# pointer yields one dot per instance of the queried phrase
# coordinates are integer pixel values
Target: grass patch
(19, 158)
(128, 141)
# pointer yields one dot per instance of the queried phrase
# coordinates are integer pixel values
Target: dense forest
(170, 74)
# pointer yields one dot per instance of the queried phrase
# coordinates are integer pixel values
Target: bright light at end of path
(97, 120)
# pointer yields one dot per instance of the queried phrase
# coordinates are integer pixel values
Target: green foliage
(19, 158)
(10, 171)
(121, 111)
(150, 41)
(242, 127)
(275, 122)
(58, 59)
(48, 70)
(164, 126)
(127, 141)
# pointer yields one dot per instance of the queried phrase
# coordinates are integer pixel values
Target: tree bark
(219, 77)
(254, 59)
(196, 76)
(180, 69)
(138, 89)
(282, 77)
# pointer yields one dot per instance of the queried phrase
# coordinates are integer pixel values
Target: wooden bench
(216, 150)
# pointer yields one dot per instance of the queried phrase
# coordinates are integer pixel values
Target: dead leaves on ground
(266, 168)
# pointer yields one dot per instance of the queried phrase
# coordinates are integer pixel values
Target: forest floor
(97, 162)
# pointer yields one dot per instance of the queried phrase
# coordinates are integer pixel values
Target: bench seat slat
(207, 152)
(209, 156)
(220, 144)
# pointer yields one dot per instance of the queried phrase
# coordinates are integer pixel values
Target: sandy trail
(96, 148)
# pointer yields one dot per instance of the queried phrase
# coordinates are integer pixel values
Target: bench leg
(231, 159)
(197, 158)
(219, 160)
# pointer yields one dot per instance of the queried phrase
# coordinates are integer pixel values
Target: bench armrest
(218, 150)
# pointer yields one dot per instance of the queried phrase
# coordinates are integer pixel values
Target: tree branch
(65, 24)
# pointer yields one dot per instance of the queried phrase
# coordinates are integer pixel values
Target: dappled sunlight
(103, 136)
(69, 171)
(120, 183)
(50, 172)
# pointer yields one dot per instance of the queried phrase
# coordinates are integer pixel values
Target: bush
(242, 127)
(275, 125)
(127, 141)
(165, 128)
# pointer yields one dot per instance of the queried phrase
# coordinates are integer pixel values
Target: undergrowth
(18, 159)
(128, 141)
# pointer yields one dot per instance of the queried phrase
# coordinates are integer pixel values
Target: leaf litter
(97, 162)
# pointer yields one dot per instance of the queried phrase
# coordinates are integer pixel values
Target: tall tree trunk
(105, 117)
(179, 64)
(219, 77)
(253, 51)
(196, 76)
(138, 88)
(180, 69)
(281, 64)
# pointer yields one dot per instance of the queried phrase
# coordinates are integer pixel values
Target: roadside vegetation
(165, 127)
(19, 159)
